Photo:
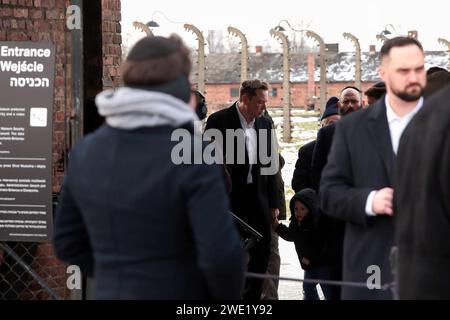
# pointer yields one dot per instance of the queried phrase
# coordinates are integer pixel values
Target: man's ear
(382, 72)
(245, 99)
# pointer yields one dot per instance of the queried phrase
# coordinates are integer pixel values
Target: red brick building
(222, 95)
(223, 75)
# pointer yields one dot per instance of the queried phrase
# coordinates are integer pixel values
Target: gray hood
(128, 108)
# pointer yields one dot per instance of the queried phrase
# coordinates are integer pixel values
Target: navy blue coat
(144, 227)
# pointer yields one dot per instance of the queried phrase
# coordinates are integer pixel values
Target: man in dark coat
(422, 203)
(302, 174)
(301, 178)
(143, 224)
(254, 197)
(350, 100)
(356, 184)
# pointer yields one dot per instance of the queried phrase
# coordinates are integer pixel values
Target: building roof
(225, 68)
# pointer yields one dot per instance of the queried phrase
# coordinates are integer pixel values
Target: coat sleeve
(338, 197)
(275, 197)
(70, 238)
(219, 248)
(319, 160)
(287, 233)
(301, 178)
(280, 190)
(212, 122)
(445, 175)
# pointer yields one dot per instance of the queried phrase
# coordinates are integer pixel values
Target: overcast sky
(328, 18)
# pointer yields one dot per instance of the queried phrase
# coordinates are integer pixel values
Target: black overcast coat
(267, 195)
(301, 178)
(307, 237)
(144, 227)
(361, 160)
(422, 202)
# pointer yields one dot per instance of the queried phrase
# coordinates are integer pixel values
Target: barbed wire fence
(362, 285)
(30, 271)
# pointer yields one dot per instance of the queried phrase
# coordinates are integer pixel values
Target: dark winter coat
(266, 195)
(361, 160)
(320, 154)
(144, 227)
(306, 235)
(335, 228)
(422, 202)
(302, 173)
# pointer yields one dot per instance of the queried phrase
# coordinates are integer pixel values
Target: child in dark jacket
(309, 243)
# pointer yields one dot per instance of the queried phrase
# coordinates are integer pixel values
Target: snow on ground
(290, 268)
(304, 126)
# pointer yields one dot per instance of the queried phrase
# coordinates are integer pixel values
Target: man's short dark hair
(377, 90)
(249, 88)
(434, 70)
(156, 60)
(398, 42)
(436, 81)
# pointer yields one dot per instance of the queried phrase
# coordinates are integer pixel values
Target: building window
(273, 92)
(234, 92)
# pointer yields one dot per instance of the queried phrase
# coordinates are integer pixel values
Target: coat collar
(234, 117)
(379, 129)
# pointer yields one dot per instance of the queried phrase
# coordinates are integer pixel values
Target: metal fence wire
(30, 271)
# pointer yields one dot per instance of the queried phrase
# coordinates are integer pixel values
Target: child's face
(300, 210)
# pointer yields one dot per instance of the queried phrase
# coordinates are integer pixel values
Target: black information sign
(26, 102)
